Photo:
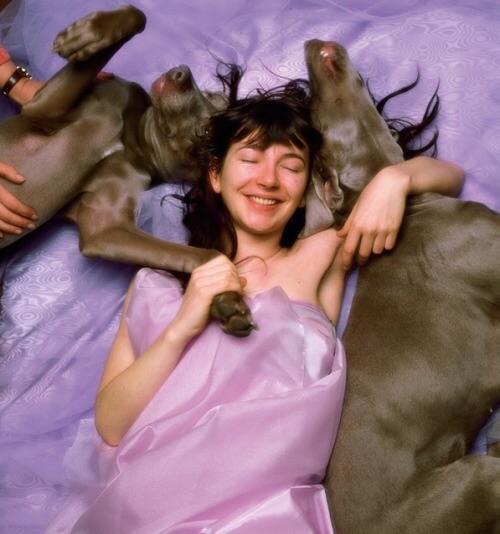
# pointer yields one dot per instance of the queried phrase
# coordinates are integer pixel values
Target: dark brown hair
(277, 116)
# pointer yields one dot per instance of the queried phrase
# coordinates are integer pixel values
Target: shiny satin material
(238, 437)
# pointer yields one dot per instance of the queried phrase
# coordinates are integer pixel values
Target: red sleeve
(4, 55)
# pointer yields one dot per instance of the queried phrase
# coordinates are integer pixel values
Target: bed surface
(61, 310)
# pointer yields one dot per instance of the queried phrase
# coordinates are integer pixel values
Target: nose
(268, 176)
(180, 75)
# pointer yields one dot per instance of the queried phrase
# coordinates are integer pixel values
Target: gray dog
(89, 148)
(422, 341)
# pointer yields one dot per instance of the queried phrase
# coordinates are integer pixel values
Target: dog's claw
(231, 311)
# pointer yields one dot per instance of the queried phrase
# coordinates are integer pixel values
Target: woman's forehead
(253, 141)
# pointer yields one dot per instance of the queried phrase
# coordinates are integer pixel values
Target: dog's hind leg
(88, 44)
(462, 497)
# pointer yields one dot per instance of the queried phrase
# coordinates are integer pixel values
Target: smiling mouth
(263, 201)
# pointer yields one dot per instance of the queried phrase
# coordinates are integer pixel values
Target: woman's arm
(128, 384)
(14, 215)
(23, 88)
(427, 175)
(374, 222)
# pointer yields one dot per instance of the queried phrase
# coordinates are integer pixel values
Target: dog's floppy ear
(323, 198)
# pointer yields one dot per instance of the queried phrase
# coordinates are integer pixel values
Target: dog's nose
(180, 74)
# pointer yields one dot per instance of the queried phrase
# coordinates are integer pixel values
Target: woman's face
(262, 188)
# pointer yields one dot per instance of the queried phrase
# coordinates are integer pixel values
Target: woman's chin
(257, 226)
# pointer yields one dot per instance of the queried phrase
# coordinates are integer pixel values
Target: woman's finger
(390, 240)
(350, 248)
(11, 174)
(6, 228)
(347, 225)
(10, 217)
(209, 269)
(208, 281)
(11, 204)
(365, 248)
(379, 243)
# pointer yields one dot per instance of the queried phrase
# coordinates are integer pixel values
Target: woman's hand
(210, 279)
(24, 90)
(15, 217)
(374, 222)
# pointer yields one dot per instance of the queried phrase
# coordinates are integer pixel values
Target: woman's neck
(262, 247)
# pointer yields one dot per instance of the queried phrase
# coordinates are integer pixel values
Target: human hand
(24, 90)
(374, 222)
(210, 279)
(14, 215)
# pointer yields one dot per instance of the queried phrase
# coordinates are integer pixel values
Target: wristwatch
(19, 73)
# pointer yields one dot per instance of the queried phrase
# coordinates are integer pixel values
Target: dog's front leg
(105, 218)
(130, 245)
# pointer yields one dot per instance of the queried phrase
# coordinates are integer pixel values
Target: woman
(210, 433)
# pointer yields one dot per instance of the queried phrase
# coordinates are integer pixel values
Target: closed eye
(296, 170)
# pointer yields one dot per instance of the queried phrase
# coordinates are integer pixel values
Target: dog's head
(176, 123)
(357, 141)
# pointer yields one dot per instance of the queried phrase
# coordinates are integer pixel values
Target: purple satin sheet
(62, 309)
(238, 437)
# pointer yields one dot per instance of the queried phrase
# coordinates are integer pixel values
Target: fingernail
(17, 231)
(34, 217)
(21, 178)
(31, 226)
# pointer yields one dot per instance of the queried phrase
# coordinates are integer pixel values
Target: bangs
(270, 125)
(263, 137)
(280, 116)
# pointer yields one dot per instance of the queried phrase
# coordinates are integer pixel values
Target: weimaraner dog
(422, 340)
(90, 147)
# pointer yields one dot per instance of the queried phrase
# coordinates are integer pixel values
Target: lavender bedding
(60, 310)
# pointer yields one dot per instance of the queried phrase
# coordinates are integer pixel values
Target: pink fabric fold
(238, 437)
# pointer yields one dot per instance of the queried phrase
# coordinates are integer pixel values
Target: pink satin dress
(236, 440)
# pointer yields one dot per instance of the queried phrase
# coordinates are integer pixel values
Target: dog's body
(422, 341)
(89, 148)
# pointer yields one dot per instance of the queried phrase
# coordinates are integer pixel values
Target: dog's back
(422, 342)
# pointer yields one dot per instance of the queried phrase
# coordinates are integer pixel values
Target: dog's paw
(230, 310)
(98, 31)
